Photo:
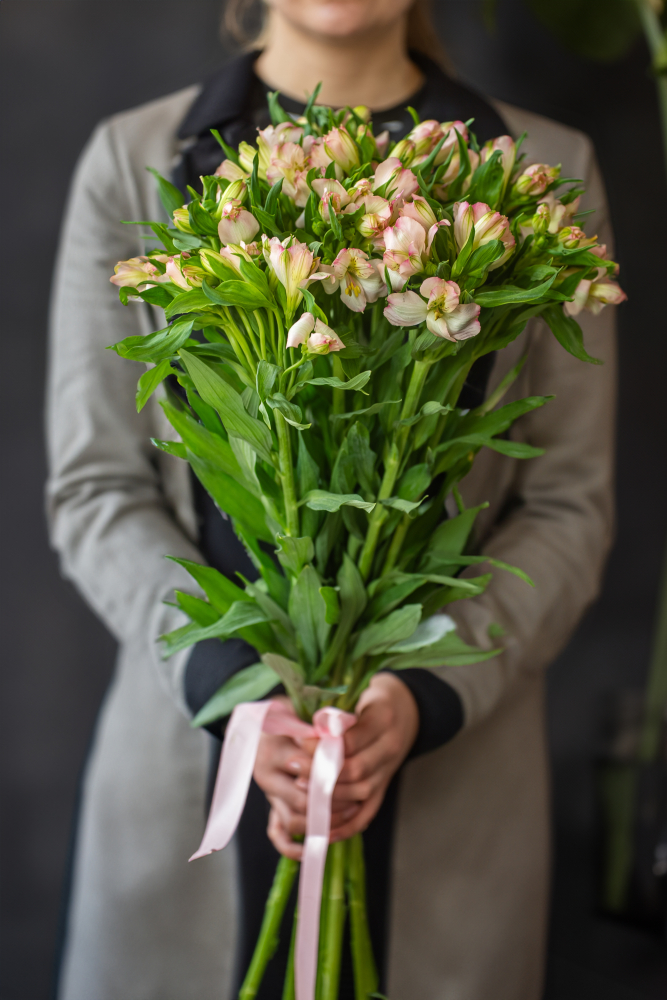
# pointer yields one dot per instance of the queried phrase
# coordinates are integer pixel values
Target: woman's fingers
(281, 840)
(282, 787)
(359, 822)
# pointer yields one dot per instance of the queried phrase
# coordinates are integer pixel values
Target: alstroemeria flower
(445, 316)
(270, 138)
(176, 275)
(231, 171)
(317, 154)
(419, 210)
(288, 161)
(536, 179)
(507, 147)
(358, 278)
(226, 256)
(137, 271)
(406, 250)
(595, 294)
(382, 142)
(331, 192)
(560, 215)
(573, 236)
(324, 340)
(400, 183)
(362, 189)
(236, 223)
(342, 148)
(487, 224)
(293, 264)
(378, 215)
(299, 331)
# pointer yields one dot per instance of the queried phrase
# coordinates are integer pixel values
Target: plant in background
(326, 295)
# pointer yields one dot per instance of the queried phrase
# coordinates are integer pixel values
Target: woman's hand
(375, 748)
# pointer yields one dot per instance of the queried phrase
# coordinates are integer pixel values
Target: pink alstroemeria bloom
(445, 316)
(231, 171)
(293, 264)
(135, 272)
(362, 189)
(594, 295)
(181, 219)
(176, 275)
(560, 215)
(299, 331)
(288, 161)
(358, 279)
(507, 147)
(324, 340)
(342, 149)
(400, 183)
(269, 138)
(406, 249)
(317, 154)
(236, 223)
(573, 236)
(382, 142)
(487, 224)
(419, 210)
(331, 192)
(536, 179)
(379, 213)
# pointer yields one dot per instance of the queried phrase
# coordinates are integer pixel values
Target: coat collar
(223, 98)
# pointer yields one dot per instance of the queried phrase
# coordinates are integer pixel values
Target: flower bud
(342, 148)
(324, 340)
(536, 179)
(298, 332)
(405, 151)
(247, 154)
(234, 190)
(541, 220)
(182, 220)
(363, 112)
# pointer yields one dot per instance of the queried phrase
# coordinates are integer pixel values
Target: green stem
(262, 333)
(338, 394)
(251, 333)
(238, 341)
(288, 989)
(334, 921)
(655, 37)
(392, 465)
(365, 971)
(396, 543)
(280, 352)
(268, 935)
(287, 475)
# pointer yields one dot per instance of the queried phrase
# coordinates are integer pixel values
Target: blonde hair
(245, 21)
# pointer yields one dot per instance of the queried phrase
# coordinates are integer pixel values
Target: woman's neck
(373, 71)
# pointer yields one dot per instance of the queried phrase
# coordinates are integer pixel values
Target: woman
(446, 775)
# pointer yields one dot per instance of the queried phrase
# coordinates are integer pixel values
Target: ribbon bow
(237, 763)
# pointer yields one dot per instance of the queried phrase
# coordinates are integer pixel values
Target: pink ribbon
(237, 763)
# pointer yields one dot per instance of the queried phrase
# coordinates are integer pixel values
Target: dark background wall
(64, 64)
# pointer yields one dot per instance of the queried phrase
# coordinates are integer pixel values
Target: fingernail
(301, 784)
(294, 765)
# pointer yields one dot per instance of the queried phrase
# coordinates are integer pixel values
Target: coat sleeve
(109, 517)
(557, 521)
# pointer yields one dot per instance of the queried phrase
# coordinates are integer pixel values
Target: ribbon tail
(237, 761)
(327, 765)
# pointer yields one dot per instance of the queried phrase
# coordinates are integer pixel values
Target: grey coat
(471, 857)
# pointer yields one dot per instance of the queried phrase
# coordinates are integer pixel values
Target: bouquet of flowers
(326, 295)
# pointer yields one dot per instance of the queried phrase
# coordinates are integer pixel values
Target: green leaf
(289, 672)
(483, 257)
(405, 506)
(380, 636)
(429, 409)
(150, 380)
(367, 412)
(307, 611)
(187, 302)
(322, 500)
(414, 482)
(426, 634)
(249, 684)
(358, 382)
(266, 376)
(513, 449)
(294, 553)
(201, 612)
(512, 295)
(170, 196)
(451, 651)
(353, 599)
(236, 293)
(568, 333)
(241, 615)
(450, 537)
(230, 496)
(218, 394)
(156, 346)
(174, 448)
(330, 598)
(290, 411)
(221, 592)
